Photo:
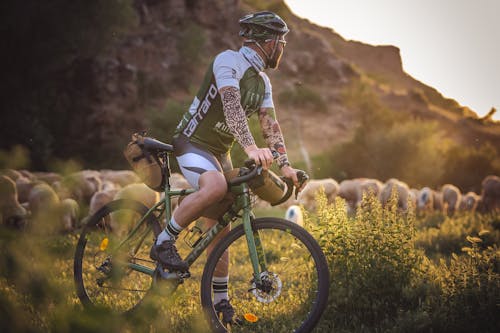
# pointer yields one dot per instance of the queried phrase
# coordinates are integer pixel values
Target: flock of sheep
(27, 197)
(448, 199)
(66, 200)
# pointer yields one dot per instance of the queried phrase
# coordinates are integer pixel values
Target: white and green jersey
(205, 123)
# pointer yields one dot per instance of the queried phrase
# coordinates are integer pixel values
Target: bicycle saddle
(154, 145)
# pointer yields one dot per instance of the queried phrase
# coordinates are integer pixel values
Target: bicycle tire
(100, 279)
(303, 291)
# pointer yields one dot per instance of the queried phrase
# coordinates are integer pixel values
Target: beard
(275, 61)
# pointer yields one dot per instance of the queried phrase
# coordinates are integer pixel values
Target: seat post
(165, 157)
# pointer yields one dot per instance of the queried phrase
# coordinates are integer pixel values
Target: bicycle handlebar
(256, 170)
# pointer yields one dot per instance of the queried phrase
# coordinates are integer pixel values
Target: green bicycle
(277, 269)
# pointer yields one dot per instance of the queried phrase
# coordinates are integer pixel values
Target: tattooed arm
(274, 138)
(237, 122)
(235, 116)
(272, 134)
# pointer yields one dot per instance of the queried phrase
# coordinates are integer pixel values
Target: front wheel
(294, 291)
(112, 261)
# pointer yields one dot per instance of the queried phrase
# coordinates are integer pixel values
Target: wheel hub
(269, 289)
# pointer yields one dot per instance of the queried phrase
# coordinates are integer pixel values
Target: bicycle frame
(242, 203)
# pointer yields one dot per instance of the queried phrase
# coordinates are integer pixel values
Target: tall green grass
(390, 272)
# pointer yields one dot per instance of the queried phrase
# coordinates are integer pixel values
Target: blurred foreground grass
(390, 272)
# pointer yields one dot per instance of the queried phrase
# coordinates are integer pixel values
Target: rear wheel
(294, 289)
(109, 256)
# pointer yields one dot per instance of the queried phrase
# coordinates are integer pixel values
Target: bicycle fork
(255, 248)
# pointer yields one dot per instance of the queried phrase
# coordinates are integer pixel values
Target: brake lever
(302, 177)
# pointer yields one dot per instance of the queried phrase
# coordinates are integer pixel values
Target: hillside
(146, 75)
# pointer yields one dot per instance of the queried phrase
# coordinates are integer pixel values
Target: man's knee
(213, 185)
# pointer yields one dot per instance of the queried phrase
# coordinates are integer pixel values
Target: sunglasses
(282, 41)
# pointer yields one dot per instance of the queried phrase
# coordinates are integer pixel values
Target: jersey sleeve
(268, 92)
(226, 70)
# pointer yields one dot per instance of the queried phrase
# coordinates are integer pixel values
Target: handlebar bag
(146, 165)
(268, 186)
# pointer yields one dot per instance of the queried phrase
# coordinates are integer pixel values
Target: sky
(450, 45)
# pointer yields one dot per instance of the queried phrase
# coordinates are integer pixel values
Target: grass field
(390, 272)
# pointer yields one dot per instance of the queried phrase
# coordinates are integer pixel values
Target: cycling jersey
(204, 123)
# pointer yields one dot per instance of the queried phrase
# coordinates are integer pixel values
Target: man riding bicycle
(235, 87)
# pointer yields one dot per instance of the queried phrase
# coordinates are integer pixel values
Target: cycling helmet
(262, 25)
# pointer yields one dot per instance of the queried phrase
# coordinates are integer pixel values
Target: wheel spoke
(106, 254)
(293, 290)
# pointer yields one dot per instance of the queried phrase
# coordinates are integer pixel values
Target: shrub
(449, 237)
(371, 259)
(303, 97)
(470, 290)
(466, 167)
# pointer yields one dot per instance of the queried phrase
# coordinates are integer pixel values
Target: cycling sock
(219, 286)
(170, 232)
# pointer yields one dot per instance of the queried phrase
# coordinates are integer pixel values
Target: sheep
(451, 198)
(437, 198)
(294, 214)
(370, 187)
(42, 199)
(11, 173)
(108, 185)
(350, 191)
(307, 196)
(425, 200)
(138, 192)
(469, 202)
(27, 174)
(48, 177)
(412, 197)
(490, 193)
(120, 177)
(24, 186)
(12, 214)
(402, 191)
(101, 198)
(355, 189)
(80, 186)
(69, 212)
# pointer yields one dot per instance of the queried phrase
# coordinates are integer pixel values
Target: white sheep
(294, 214)
(402, 191)
(451, 198)
(425, 200)
(43, 200)
(469, 202)
(79, 186)
(69, 212)
(101, 198)
(11, 212)
(307, 197)
(490, 193)
(138, 192)
(120, 177)
(370, 186)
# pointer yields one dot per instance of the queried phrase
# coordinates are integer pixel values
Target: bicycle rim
(102, 272)
(297, 280)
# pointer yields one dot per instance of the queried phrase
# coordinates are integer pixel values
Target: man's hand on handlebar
(261, 156)
(289, 172)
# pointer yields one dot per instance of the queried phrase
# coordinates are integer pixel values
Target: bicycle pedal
(167, 274)
(184, 275)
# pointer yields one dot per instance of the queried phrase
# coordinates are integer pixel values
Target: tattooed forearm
(235, 116)
(272, 134)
